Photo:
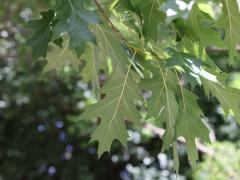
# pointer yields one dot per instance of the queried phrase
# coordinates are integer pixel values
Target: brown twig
(118, 33)
(213, 49)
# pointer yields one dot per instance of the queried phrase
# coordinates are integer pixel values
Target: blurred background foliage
(42, 135)
(224, 165)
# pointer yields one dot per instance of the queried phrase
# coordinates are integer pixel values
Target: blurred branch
(213, 49)
(201, 147)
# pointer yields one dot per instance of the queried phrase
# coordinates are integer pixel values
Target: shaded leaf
(163, 105)
(74, 18)
(228, 97)
(42, 33)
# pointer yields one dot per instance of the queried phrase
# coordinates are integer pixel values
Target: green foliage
(164, 106)
(220, 166)
(227, 96)
(131, 48)
(118, 105)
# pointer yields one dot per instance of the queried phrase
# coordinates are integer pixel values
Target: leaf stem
(118, 33)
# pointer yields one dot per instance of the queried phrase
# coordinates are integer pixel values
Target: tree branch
(213, 49)
(201, 147)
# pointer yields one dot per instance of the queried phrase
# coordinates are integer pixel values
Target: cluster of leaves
(151, 46)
